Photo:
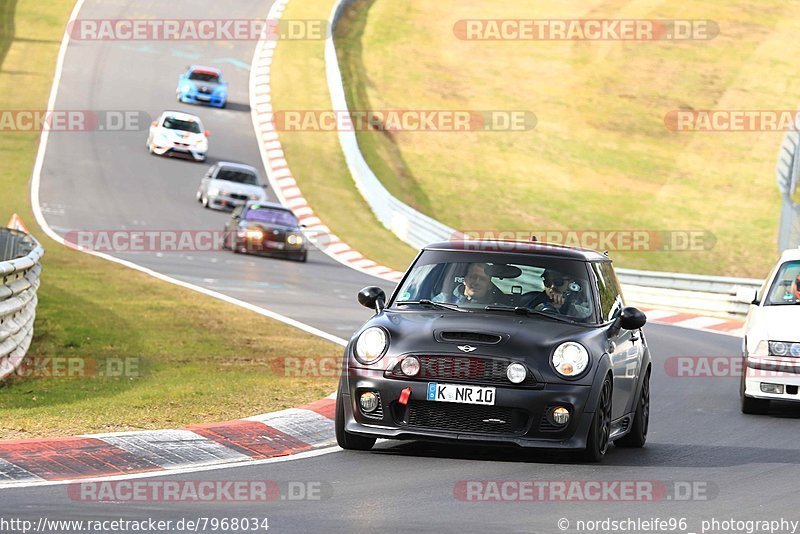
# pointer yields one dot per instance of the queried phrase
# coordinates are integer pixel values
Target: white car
(771, 345)
(228, 185)
(178, 134)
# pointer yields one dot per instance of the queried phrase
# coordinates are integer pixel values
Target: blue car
(202, 85)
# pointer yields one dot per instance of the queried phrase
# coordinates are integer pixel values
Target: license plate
(202, 97)
(273, 244)
(461, 394)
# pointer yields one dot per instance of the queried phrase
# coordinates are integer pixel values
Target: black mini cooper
(513, 343)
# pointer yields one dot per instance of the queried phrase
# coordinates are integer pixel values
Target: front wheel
(599, 432)
(345, 439)
(637, 437)
(750, 405)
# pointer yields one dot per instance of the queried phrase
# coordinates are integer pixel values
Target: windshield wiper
(521, 310)
(429, 302)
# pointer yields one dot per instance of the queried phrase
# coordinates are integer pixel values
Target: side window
(414, 285)
(610, 294)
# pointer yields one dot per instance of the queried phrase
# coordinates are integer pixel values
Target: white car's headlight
(784, 348)
(213, 191)
(162, 138)
(371, 345)
(570, 359)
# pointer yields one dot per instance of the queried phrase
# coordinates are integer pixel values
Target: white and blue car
(202, 85)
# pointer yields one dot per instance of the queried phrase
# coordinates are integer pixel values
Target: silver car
(227, 185)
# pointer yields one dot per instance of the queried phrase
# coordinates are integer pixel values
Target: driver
(796, 288)
(563, 294)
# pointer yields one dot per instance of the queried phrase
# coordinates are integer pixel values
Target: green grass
(316, 158)
(600, 157)
(7, 8)
(200, 360)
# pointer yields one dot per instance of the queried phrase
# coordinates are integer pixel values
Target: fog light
(410, 366)
(516, 373)
(560, 415)
(369, 401)
(772, 388)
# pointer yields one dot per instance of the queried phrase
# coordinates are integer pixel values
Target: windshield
(204, 77)
(556, 287)
(238, 176)
(171, 123)
(786, 285)
(271, 216)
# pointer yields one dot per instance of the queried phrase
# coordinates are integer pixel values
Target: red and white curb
(271, 435)
(717, 325)
(278, 172)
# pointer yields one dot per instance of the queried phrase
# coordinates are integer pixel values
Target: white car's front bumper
(772, 370)
(179, 149)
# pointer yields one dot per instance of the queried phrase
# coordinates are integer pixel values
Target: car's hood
(276, 229)
(777, 323)
(524, 338)
(236, 187)
(181, 136)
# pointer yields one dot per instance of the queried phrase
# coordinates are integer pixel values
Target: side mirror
(632, 318)
(207, 133)
(372, 297)
(154, 123)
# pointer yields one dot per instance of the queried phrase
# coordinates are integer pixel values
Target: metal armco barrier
(20, 254)
(684, 292)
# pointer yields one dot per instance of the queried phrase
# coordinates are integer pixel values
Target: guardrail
(20, 254)
(683, 292)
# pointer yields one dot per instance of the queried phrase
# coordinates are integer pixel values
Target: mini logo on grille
(495, 421)
(467, 348)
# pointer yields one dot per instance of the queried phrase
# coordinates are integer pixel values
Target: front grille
(456, 417)
(205, 90)
(463, 368)
(546, 426)
(472, 337)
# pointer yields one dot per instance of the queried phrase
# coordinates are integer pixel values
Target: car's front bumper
(772, 370)
(522, 409)
(225, 201)
(194, 97)
(172, 149)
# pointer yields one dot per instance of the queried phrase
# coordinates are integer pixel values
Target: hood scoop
(453, 336)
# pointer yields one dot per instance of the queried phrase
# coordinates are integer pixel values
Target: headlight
(294, 239)
(784, 348)
(371, 345)
(162, 138)
(213, 191)
(570, 359)
(202, 144)
(186, 87)
(516, 373)
(254, 233)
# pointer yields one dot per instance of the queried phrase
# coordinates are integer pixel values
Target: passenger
(476, 289)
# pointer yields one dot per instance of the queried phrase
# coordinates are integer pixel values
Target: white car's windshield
(564, 291)
(786, 285)
(171, 123)
(237, 176)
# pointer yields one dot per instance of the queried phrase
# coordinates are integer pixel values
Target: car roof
(181, 116)
(207, 70)
(500, 246)
(233, 165)
(790, 254)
